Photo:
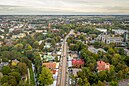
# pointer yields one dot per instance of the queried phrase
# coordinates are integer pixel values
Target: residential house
(53, 66)
(3, 64)
(48, 57)
(77, 63)
(126, 51)
(1, 43)
(101, 65)
(94, 50)
(21, 35)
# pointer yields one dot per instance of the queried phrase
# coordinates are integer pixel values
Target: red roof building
(77, 63)
(101, 65)
(52, 66)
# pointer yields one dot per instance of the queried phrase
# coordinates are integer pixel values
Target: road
(63, 62)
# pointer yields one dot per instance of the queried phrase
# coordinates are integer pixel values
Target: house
(39, 31)
(126, 51)
(3, 64)
(1, 43)
(77, 63)
(52, 66)
(47, 45)
(21, 35)
(74, 55)
(8, 42)
(74, 71)
(101, 65)
(94, 50)
(48, 57)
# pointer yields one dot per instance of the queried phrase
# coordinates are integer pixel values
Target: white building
(108, 39)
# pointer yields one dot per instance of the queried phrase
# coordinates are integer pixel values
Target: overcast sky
(74, 7)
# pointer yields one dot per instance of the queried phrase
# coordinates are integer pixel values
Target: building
(48, 57)
(3, 64)
(77, 63)
(108, 39)
(21, 35)
(38, 31)
(94, 50)
(126, 51)
(52, 66)
(101, 65)
(125, 37)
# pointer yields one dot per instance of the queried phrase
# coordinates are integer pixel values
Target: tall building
(125, 37)
(49, 26)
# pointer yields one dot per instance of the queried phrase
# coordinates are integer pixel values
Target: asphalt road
(64, 68)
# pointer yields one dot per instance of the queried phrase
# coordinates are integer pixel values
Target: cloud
(64, 6)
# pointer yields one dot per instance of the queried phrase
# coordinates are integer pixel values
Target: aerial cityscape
(64, 43)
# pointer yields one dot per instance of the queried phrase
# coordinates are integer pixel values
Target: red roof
(51, 66)
(77, 62)
(103, 66)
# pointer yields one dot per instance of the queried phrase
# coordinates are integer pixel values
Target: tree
(113, 83)
(111, 51)
(45, 77)
(6, 84)
(4, 79)
(27, 61)
(16, 75)
(28, 47)
(12, 81)
(100, 83)
(19, 47)
(102, 75)
(38, 63)
(6, 70)
(83, 82)
(1, 76)
(116, 58)
(35, 44)
(56, 59)
(22, 68)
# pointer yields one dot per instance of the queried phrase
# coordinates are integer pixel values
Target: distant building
(108, 39)
(125, 37)
(39, 31)
(94, 50)
(49, 26)
(101, 65)
(21, 35)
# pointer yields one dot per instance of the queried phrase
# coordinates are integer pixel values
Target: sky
(64, 7)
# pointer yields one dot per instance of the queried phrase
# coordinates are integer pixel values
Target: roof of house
(48, 57)
(51, 65)
(103, 65)
(77, 62)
